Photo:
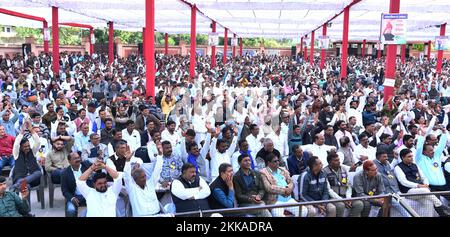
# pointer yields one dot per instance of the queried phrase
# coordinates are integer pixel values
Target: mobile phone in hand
(23, 185)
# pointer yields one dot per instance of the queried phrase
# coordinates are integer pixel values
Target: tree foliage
(72, 36)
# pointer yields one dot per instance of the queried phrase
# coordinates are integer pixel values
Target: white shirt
(81, 140)
(101, 204)
(339, 134)
(362, 151)
(218, 158)
(174, 138)
(152, 151)
(254, 143)
(179, 191)
(133, 139)
(77, 174)
(401, 177)
(199, 123)
(143, 201)
(280, 143)
(319, 151)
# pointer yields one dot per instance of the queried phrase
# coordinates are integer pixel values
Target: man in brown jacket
(279, 187)
(249, 187)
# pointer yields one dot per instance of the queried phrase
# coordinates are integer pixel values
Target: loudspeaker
(26, 49)
(140, 48)
(294, 51)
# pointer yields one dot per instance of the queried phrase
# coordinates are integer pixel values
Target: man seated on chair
(26, 166)
(56, 160)
(368, 183)
(411, 179)
(279, 186)
(190, 192)
(69, 189)
(297, 162)
(6, 149)
(141, 191)
(117, 162)
(249, 187)
(313, 186)
(337, 176)
(100, 200)
(222, 189)
(12, 204)
(168, 167)
(94, 149)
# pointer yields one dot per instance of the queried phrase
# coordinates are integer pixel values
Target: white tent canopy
(246, 18)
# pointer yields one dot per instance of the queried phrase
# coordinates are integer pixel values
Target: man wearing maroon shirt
(6, 147)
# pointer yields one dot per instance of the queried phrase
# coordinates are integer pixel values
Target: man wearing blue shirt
(428, 159)
(222, 189)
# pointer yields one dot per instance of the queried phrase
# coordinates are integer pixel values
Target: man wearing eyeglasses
(69, 189)
(279, 187)
(369, 183)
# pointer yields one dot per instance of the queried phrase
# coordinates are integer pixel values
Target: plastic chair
(51, 190)
(39, 189)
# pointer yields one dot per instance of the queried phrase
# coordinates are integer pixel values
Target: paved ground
(58, 205)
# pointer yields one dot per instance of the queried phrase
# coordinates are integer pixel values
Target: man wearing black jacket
(222, 189)
(73, 197)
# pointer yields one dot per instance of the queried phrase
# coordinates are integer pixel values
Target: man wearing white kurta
(318, 148)
(100, 200)
(132, 136)
(221, 154)
(141, 191)
(254, 140)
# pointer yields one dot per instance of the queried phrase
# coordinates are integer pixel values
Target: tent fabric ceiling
(246, 18)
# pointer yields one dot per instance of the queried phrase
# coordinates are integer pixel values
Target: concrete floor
(58, 204)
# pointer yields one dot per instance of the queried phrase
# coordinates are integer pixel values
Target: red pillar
(225, 46)
(440, 52)
(91, 45)
(301, 46)
(322, 52)
(403, 53)
(363, 50)
(45, 41)
(391, 55)
(193, 41)
(213, 48)
(234, 47)
(241, 47)
(305, 52)
(111, 43)
(166, 44)
(150, 48)
(311, 56)
(55, 44)
(144, 44)
(429, 50)
(345, 43)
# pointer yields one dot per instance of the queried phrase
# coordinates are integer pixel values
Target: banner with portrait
(324, 42)
(46, 34)
(441, 43)
(213, 39)
(393, 28)
(234, 42)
